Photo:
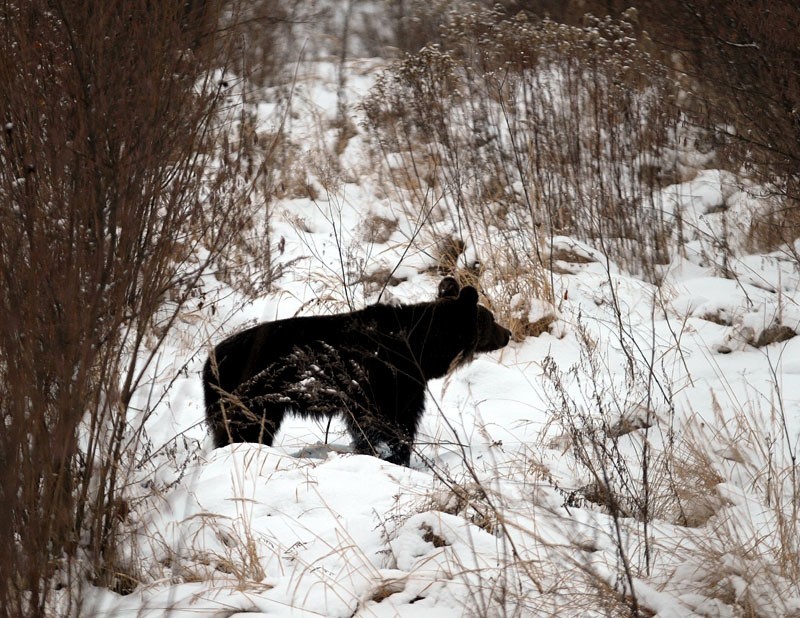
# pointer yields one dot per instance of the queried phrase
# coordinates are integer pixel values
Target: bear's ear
(448, 288)
(468, 295)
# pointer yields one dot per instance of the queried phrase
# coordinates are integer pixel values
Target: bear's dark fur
(372, 365)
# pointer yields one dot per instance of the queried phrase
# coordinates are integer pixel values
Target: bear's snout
(505, 336)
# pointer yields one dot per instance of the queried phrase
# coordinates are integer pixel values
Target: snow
(494, 516)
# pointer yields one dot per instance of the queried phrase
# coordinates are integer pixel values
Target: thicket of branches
(739, 67)
(513, 132)
(110, 116)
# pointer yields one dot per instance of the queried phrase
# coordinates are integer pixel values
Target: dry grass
(515, 131)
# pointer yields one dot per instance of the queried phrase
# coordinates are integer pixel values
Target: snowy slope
(498, 514)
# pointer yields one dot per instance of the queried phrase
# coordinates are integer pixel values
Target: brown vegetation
(109, 120)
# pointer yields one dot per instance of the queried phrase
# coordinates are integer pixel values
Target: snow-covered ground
(666, 392)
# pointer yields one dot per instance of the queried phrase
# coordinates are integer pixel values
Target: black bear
(371, 365)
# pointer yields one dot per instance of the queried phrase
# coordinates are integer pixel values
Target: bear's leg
(238, 423)
(366, 440)
(400, 449)
(383, 436)
(374, 435)
(405, 411)
(405, 433)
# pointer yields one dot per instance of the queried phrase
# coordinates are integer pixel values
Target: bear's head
(443, 334)
(489, 334)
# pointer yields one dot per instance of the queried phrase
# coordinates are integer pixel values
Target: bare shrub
(514, 131)
(110, 119)
(417, 23)
(743, 61)
(777, 225)
(265, 32)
